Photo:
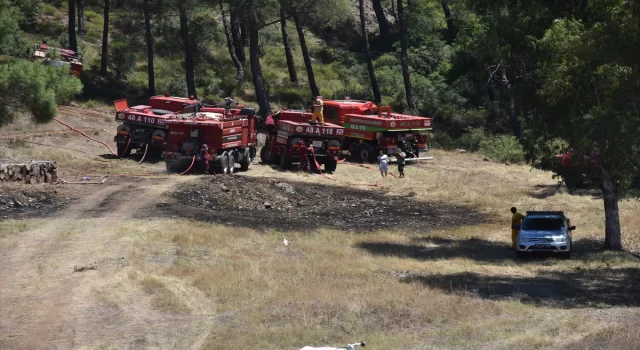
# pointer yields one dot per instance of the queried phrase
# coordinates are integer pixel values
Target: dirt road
(46, 304)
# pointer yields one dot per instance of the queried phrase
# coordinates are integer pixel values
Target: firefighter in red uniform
(303, 156)
(270, 124)
(204, 158)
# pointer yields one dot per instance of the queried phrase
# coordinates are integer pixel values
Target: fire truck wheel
(224, 164)
(231, 162)
(246, 160)
(266, 156)
(285, 162)
(170, 166)
(121, 149)
(364, 153)
(330, 166)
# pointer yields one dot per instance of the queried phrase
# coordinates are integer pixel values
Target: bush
(471, 141)
(442, 140)
(502, 148)
(35, 87)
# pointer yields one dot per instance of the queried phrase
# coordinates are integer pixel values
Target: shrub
(502, 148)
(442, 140)
(471, 141)
(35, 87)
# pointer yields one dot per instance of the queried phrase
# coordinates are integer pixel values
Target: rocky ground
(24, 200)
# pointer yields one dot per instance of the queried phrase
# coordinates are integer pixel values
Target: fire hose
(190, 166)
(376, 184)
(85, 135)
(146, 147)
(126, 148)
(318, 164)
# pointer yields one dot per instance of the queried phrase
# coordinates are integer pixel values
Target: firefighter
(303, 156)
(270, 124)
(516, 219)
(317, 116)
(204, 158)
(400, 156)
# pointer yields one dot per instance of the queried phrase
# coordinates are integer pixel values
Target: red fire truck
(293, 126)
(231, 139)
(369, 129)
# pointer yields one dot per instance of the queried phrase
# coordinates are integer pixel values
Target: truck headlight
(560, 239)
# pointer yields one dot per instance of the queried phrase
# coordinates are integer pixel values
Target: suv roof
(545, 212)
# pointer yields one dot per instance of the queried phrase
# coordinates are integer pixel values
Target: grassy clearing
(325, 289)
(454, 288)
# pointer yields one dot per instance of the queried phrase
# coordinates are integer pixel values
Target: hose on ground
(146, 147)
(85, 135)
(190, 166)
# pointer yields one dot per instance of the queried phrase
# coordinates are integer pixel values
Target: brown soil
(266, 203)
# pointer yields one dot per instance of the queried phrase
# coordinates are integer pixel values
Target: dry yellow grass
(190, 284)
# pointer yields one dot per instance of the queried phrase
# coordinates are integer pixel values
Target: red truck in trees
(281, 147)
(231, 139)
(58, 57)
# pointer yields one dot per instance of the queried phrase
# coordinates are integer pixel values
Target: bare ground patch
(23, 201)
(267, 203)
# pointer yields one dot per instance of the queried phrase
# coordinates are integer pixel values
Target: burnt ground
(267, 203)
(21, 201)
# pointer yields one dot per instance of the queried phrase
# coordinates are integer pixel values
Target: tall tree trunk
(236, 35)
(256, 70)
(451, 28)
(394, 13)
(293, 75)
(612, 237)
(513, 117)
(188, 50)
(305, 55)
(372, 73)
(73, 42)
(80, 19)
(383, 24)
(149, 39)
(408, 89)
(105, 40)
(230, 45)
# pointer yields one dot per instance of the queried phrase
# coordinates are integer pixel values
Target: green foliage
(122, 59)
(591, 88)
(29, 9)
(36, 88)
(471, 141)
(502, 149)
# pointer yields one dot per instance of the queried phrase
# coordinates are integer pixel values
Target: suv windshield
(543, 224)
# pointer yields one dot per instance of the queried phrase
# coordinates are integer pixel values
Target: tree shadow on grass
(547, 191)
(579, 287)
(482, 251)
(603, 287)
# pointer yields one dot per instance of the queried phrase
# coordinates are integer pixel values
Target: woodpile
(33, 172)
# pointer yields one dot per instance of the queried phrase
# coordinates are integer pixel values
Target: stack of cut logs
(33, 172)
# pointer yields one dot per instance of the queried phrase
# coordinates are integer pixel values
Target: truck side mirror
(515, 227)
(571, 228)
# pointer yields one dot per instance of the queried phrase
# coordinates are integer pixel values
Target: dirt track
(45, 304)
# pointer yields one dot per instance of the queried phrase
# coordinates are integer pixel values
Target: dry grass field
(167, 280)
